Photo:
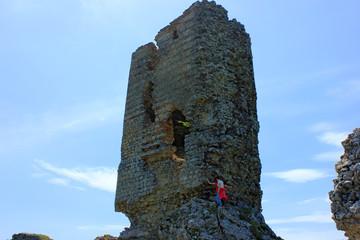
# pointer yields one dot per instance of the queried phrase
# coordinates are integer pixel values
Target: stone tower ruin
(190, 115)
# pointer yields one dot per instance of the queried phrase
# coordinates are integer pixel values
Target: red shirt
(222, 194)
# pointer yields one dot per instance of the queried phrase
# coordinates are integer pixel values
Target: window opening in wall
(175, 34)
(180, 128)
(148, 101)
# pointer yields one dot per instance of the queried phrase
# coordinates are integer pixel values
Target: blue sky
(64, 69)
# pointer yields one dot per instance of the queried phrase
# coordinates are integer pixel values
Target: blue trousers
(218, 200)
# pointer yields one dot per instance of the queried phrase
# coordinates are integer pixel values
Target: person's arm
(210, 182)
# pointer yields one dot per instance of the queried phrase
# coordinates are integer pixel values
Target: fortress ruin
(190, 115)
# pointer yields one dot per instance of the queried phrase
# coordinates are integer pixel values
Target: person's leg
(218, 200)
(222, 202)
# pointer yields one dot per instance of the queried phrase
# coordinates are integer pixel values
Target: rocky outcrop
(30, 236)
(190, 115)
(345, 197)
(106, 237)
(203, 219)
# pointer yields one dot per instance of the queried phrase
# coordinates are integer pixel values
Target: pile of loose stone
(346, 194)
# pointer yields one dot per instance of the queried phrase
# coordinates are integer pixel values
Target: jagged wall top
(195, 7)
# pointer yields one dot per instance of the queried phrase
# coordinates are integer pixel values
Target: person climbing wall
(221, 197)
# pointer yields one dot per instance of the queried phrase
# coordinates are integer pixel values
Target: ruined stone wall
(345, 197)
(200, 73)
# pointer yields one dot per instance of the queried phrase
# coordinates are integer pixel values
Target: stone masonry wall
(345, 197)
(201, 73)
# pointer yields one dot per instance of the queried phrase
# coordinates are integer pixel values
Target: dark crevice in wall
(175, 34)
(180, 128)
(151, 64)
(148, 101)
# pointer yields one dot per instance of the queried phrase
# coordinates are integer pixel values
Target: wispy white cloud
(102, 227)
(59, 181)
(270, 94)
(286, 109)
(332, 156)
(348, 90)
(105, 10)
(270, 86)
(64, 182)
(299, 175)
(23, 5)
(322, 127)
(118, 11)
(41, 175)
(26, 131)
(84, 116)
(306, 233)
(312, 200)
(102, 178)
(332, 138)
(317, 217)
(327, 134)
